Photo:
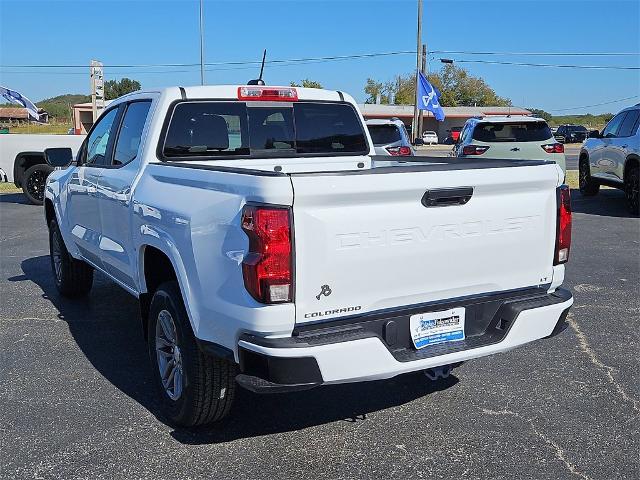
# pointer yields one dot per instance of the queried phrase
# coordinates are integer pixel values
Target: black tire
(631, 186)
(208, 386)
(33, 182)
(588, 186)
(73, 278)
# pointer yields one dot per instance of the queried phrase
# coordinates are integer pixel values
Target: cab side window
(611, 130)
(130, 134)
(95, 151)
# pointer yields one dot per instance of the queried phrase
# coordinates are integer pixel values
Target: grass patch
(47, 128)
(572, 178)
(9, 187)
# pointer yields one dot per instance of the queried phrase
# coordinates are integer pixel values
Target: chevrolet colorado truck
(270, 248)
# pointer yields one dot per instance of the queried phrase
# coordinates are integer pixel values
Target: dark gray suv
(612, 157)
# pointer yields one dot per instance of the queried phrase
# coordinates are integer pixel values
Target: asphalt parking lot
(76, 401)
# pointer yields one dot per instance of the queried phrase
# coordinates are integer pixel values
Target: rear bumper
(372, 347)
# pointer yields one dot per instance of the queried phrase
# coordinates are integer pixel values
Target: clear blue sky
(166, 31)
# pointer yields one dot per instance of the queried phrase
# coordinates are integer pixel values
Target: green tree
(114, 88)
(306, 83)
(457, 88)
(540, 113)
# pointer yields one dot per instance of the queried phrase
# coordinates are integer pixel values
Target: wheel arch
(157, 264)
(23, 161)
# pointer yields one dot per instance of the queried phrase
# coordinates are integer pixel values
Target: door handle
(443, 197)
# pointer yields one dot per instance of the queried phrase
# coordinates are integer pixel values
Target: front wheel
(631, 189)
(34, 181)
(195, 389)
(588, 186)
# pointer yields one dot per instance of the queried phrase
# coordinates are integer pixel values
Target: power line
(543, 54)
(595, 104)
(550, 65)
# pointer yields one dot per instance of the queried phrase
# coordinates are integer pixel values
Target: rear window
(512, 132)
(384, 134)
(227, 129)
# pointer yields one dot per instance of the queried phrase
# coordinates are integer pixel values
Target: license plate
(437, 327)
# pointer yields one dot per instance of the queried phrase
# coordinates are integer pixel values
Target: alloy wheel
(169, 355)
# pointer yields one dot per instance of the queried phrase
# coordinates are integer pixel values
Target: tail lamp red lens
(563, 226)
(268, 94)
(399, 151)
(267, 267)
(474, 149)
(553, 148)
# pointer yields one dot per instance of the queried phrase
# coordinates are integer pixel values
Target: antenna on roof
(259, 80)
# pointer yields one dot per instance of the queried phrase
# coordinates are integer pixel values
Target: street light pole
(201, 42)
(414, 127)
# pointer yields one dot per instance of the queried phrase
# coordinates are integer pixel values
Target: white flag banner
(17, 97)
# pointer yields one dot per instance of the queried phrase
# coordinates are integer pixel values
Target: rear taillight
(267, 267)
(269, 94)
(563, 226)
(399, 151)
(474, 149)
(553, 148)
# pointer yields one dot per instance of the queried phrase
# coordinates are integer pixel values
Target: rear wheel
(588, 186)
(33, 182)
(195, 389)
(73, 278)
(631, 189)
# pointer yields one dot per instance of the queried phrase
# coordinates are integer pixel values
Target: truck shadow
(14, 198)
(107, 329)
(609, 202)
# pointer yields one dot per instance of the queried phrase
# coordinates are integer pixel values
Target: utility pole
(201, 42)
(425, 70)
(414, 126)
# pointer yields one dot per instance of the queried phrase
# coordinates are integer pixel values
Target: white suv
(390, 137)
(612, 158)
(509, 137)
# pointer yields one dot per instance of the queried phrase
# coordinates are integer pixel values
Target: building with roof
(13, 115)
(83, 117)
(454, 116)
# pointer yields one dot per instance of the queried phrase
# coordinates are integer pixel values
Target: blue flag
(428, 97)
(16, 97)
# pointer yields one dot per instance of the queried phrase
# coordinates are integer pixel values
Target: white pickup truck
(23, 163)
(270, 248)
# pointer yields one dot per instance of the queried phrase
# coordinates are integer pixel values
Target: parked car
(430, 138)
(571, 134)
(453, 135)
(269, 247)
(515, 137)
(22, 158)
(611, 157)
(390, 137)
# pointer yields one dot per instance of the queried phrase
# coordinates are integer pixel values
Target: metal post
(424, 69)
(201, 42)
(414, 127)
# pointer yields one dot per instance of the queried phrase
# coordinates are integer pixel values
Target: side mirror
(58, 157)
(594, 134)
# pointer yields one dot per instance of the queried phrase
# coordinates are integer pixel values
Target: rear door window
(130, 135)
(384, 134)
(512, 132)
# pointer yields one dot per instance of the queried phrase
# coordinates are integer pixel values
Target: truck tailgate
(368, 241)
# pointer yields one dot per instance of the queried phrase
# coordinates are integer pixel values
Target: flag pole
(414, 126)
(425, 71)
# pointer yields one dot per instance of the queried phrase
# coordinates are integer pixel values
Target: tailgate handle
(443, 197)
